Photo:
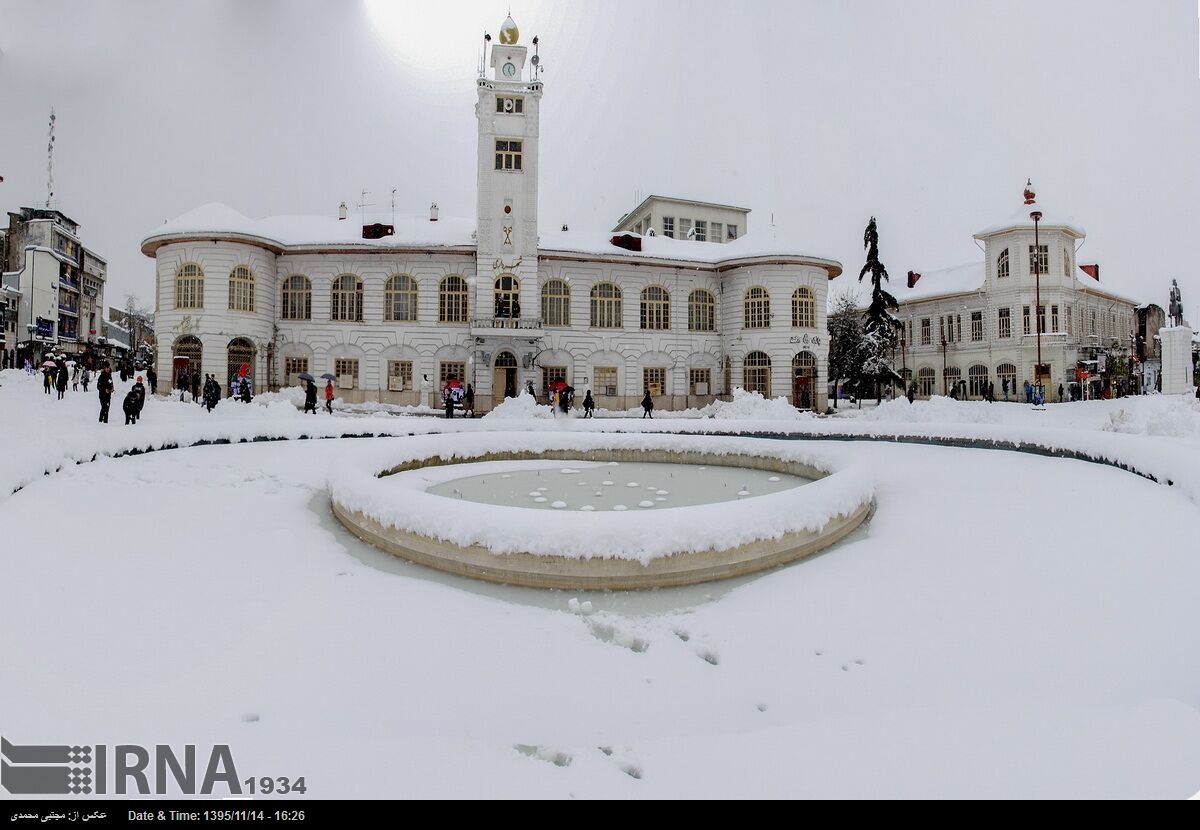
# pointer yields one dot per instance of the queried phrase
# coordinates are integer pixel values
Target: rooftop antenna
(50, 161)
(362, 206)
(535, 63)
(393, 207)
(772, 224)
(483, 61)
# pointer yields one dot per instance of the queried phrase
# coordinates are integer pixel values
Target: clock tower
(506, 213)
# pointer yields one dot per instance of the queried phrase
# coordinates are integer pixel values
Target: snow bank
(1174, 416)
(936, 410)
(522, 407)
(753, 406)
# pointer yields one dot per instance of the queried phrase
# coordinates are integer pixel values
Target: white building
(974, 324)
(490, 299)
(56, 284)
(686, 219)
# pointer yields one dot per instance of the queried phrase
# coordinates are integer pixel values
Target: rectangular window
(1004, 322)
(1054, 319)
(1027, 325)
(346, 369)
(669, 226)
(731, 232)
(1042, 319)
(1039, 258)
(399, 375)
(606, 380)
(654, 378)
(958, 328)
(701, 230)
(552, 374)
(293, 366)
(685, 225)
(510, 105)
(926, 332)
(716, 232)
(1070, 321)
(1092, 328)
(508, 154)
(449, 370)
(976, 326)
(941, 329)
(700, 381)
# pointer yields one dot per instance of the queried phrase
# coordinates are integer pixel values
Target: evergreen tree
(845, 343)
(881, 328)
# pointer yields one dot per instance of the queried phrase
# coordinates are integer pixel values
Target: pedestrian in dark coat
(647, 406)
(60, 379)
(469, 401)
(588, 404)
(152, 378)
(912, 392)
(310, 397)
(196, 387)
(130, 407)
(183, 384)
(212, 392)
(104, 387)
(139, 391)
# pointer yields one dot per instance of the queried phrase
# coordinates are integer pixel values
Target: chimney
(1092, 271)
(433, 212)
(913, 276)
(628, 241)
(342, 211)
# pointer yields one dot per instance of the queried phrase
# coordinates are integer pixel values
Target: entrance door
(504, 376)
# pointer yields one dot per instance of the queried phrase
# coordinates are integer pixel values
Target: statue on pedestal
(1175, 308)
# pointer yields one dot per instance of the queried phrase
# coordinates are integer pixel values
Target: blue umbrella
(328, 376)
(305, 376)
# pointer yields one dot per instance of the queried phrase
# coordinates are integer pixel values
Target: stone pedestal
(1176, 370)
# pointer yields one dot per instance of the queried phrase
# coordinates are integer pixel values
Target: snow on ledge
(355, 485)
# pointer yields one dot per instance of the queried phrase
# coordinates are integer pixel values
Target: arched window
(804, 379)
(926, 378)
(239, 351)
(951, 376)
(756, 373)
(189, 286)
(188, 346)
(556, 303)
(606, 306)
(400, 299)
(507, 290)
(452, 300)
(1002, 264)
(656, 308)
(346, 300)
(297, 298)
(241, 289)
(757, 308)
(1007, 371)
(702, 311)
(977, 381)
(804, 309)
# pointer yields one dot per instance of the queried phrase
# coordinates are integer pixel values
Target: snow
(522, 407)
(944, 282)
(1020, 219)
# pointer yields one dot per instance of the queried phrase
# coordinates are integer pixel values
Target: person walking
(182, 383)
(247, 390)
(469, 401)
(60, 378)
(104, 387)
(588, 404)
(196, 387)
(75, 378)
(47, 380)
(85, 378)
(912, 392)
(529, 389)
(139, 391)
(647, 406)
(152, 378)
(329, 397)
(1060, 393)
(448, 400)
(212, 392)
(310, 397)
(1028, 392)
(129, 405)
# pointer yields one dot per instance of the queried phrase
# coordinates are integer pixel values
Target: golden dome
(509, 33)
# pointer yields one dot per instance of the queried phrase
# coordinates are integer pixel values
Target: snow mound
(1171, 416)
(520, 408)
(293, 395)
(751, 406)
(936, 410)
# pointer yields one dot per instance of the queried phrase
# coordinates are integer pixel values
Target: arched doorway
(756, 373)
(186, 353)
(504, 375)
(804, 379)
(239, 351)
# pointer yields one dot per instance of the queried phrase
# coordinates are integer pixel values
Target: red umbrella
(453, 383)
(243, 370)
(558, 386)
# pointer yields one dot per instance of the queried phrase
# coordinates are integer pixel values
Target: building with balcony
(396, 306)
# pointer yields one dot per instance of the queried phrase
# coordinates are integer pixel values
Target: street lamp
(1036, 216)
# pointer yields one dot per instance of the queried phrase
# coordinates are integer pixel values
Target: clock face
(509, 69)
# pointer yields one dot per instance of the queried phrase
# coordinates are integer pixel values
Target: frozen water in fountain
(486, 482)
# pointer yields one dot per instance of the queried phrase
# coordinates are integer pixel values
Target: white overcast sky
(928, 114)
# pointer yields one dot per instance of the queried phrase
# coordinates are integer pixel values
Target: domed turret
(509, 33)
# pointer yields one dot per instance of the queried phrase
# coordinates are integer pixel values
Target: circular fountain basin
(600, 512)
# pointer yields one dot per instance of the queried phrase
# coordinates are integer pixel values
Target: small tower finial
(1030, 196)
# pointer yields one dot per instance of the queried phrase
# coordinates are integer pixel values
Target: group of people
(455, 396)
(310, 396)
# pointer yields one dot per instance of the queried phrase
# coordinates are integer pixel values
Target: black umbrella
(305, 376)
(328, 376)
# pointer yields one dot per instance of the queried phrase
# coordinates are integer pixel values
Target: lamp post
(1036, 216)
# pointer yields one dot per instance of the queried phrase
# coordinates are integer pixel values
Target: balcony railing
(516, 323)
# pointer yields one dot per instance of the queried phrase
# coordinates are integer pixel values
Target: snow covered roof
(1094, 285)
(1019, 219)
(281, 232)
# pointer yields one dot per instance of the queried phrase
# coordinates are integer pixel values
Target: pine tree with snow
(846, 350)
(881, 328)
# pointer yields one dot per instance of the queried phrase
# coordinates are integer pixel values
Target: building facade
(58, 283)
(976, 324)
(397, 306)
(686, 219)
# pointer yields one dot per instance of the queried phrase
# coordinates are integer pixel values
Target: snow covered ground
(1005, 625)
